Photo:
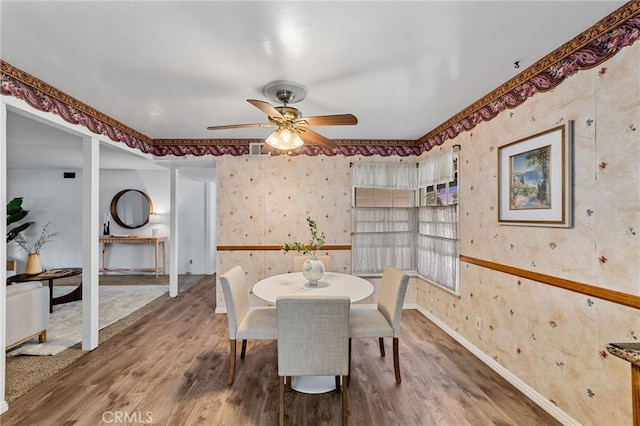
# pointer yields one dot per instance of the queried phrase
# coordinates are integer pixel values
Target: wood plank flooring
(170, 368)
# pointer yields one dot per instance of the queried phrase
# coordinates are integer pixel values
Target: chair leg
(345, 400)
(337, 383)
(281, 411)
(288, 383)
(42, 337)
(232, 361)
(244, 349)
(349, 376)
(396, 359)
(381, 340)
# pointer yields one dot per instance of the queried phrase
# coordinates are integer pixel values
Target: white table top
(332, 283)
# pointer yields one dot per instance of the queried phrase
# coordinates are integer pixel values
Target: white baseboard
(4, 407)
(527, 390)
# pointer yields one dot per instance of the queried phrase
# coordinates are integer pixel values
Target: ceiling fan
(292, 129)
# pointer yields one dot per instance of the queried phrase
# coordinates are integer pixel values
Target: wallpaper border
(587, 50)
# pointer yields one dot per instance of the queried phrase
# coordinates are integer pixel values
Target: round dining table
(331, 284)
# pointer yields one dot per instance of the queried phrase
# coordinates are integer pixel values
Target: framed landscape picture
(535, 179)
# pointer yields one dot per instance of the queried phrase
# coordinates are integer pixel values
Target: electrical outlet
(478, 323)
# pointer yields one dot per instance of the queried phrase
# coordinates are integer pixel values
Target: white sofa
(27, 312)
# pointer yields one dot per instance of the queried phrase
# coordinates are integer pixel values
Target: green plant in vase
(313, 268)
(316, 241)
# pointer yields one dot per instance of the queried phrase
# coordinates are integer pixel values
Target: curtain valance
(385, 175)
(437, 169)
(430, 171)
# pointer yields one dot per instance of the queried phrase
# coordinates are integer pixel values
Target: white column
(3, 255)
(210, 227)
(173, 235)
(90, 246)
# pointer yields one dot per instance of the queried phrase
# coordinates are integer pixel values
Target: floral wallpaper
(553, 339)
(264, 201)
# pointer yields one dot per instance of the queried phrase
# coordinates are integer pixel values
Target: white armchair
(27, 312)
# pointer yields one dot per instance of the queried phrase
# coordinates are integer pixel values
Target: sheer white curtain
(385, 175)
(410, 238)
(436, 169)
(383, 236)
(437, 245)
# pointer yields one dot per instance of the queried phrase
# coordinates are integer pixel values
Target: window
(442, 194)
(383, 236)
(377, 197)
(384, 217)
(407, 216)
(437, 244)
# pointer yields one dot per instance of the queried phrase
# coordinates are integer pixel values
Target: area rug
(65, 322)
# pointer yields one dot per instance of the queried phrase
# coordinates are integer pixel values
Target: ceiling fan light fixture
(289, 121)
(284, 139)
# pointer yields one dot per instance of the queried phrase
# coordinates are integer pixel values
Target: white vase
(34, 265)
(313, 270)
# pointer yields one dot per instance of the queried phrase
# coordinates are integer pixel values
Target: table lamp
(154, 219)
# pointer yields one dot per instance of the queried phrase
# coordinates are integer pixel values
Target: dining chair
(298, 261)
(313, 340)
(384, 319)
(244, 323)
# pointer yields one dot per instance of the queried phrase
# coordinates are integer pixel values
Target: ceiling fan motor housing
(289, 113)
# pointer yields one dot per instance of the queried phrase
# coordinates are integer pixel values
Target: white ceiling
(169, 69)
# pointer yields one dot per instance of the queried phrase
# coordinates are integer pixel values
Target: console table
(157, 242)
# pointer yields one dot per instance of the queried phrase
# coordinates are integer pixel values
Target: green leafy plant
(316, 241)
(34, 247)
(15, 213)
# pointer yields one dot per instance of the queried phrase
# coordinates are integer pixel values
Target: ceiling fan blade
(240, 126)
(266, 108)
(316, 138)
(329, 120)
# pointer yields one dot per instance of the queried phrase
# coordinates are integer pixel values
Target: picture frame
(535, 179)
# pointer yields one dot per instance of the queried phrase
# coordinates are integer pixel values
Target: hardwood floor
(170, 368)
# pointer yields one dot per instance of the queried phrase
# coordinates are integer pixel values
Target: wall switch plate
(478, 323)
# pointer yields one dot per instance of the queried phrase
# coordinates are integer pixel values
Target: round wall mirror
(130, 208)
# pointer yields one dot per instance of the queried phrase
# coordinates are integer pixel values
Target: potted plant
(313, 268)
(34, 265)
(15, 213)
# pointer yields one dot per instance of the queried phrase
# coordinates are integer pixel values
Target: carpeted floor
(25, 372)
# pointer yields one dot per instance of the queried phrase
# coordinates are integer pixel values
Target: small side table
(50, 275)
(630, 352)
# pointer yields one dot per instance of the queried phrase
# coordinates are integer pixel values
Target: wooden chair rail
(586, 289)
(582, 288)
(276, 248)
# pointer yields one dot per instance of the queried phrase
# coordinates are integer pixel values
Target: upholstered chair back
(236, 297)
(393, 288)
(313, 335)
